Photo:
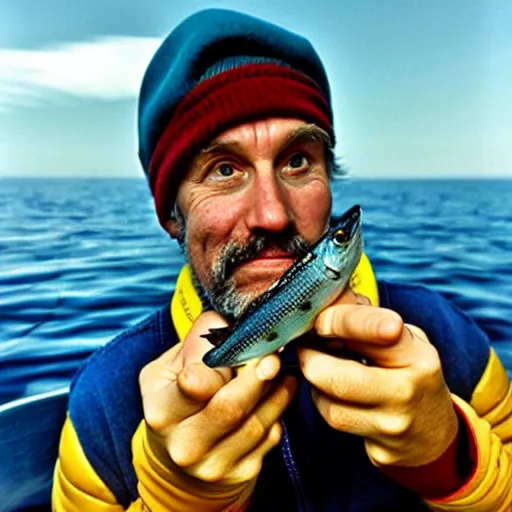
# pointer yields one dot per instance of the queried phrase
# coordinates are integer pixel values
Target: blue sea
(81, 260)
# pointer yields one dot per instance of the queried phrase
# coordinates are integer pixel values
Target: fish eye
(340, 237)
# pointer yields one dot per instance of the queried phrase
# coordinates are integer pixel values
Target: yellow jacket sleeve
(489, 417)
(77, 487)
(162, 490)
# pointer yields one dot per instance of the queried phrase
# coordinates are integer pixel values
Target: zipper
(302, 500)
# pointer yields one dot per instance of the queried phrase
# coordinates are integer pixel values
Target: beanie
(216, 70)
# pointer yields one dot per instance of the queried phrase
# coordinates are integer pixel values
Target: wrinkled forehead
(264, 137)
(277, 130)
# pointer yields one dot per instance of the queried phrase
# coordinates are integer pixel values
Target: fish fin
(217, 335)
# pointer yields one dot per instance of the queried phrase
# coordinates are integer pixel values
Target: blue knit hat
(216, 70)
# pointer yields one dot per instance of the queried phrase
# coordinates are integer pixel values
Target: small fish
(289, 307)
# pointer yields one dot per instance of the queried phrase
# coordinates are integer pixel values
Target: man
(236, 136)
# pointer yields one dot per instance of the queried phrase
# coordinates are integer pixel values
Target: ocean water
(81, 260)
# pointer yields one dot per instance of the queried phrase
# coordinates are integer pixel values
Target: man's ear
(171, 226)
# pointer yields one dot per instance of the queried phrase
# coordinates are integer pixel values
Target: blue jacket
(314, 468)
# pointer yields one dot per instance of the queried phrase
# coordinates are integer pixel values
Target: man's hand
(208, 423)
(399, 403)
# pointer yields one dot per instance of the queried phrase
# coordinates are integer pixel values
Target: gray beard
(224, 297)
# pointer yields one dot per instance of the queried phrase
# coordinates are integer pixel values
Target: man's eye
(226, 170)
(226, 173)
(297, 161)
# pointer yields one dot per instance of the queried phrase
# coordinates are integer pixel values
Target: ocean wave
(83, 260)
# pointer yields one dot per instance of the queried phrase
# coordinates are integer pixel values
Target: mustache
(236, 253)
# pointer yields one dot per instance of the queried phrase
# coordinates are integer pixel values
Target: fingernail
(391, 327)
(322, 321)
(265, 369)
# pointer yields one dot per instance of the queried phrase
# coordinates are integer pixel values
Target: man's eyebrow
(306, 133)
(216, 147)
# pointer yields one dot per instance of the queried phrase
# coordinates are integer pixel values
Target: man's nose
(269, 208)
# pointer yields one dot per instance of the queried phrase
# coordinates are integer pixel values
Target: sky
(421, 88)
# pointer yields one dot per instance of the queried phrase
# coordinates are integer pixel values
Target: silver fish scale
(305, 287)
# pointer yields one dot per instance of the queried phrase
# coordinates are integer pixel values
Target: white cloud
(104, 68)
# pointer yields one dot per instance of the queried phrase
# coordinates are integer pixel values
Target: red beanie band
(234, 97)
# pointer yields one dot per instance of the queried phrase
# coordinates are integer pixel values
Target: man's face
(250, 205)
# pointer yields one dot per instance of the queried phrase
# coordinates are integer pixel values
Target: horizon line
(470, 177)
